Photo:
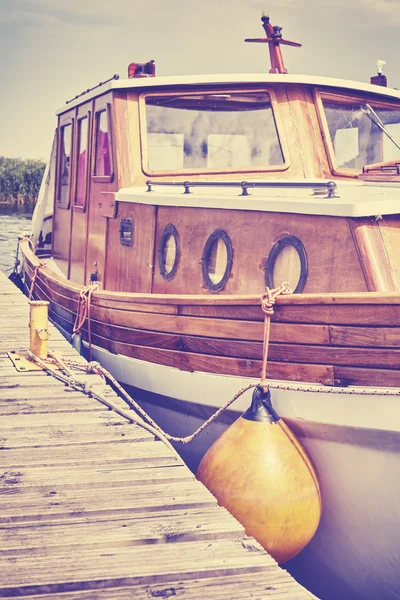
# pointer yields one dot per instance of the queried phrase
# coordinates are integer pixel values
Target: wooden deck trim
(350, 298)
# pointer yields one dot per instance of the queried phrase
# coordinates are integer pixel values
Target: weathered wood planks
(93, 507)
(327, 339)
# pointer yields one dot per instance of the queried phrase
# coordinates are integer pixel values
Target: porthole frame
(288, 240)
(217, 234)
(168, 230)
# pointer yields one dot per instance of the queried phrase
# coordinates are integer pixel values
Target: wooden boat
(182, 197)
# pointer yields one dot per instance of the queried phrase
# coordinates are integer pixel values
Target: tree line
(20, 179)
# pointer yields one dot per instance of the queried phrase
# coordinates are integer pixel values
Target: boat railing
(329, 187)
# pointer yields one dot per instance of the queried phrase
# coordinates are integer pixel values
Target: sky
(51, 50)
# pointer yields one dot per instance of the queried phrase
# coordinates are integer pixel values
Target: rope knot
(267, 304)
(269, 298)
(83, 313)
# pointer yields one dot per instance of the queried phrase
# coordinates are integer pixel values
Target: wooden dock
(92, 506)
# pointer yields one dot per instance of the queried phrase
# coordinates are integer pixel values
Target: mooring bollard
(39, 327)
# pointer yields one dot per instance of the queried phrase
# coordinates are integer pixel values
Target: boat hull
(189, 354)
(352, 555)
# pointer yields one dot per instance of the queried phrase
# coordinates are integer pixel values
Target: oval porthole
(168, 252)
(216, 262)
(287, 261)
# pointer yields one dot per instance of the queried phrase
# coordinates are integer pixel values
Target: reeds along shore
(20, 180)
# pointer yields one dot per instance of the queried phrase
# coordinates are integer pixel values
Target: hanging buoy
(259, 471)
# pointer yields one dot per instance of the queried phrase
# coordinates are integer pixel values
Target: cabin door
(81, 191)
(102, 187)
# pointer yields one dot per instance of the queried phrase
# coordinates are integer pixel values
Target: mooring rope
(267, 304)
(142, 418)
(34, 277)
(83, 313)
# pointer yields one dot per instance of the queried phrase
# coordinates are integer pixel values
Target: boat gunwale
(326, 298)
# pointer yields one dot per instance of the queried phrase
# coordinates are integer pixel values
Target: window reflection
(287, 267)
(169, 253)
(217, 260)
(81, 162)
(103, 151)
(211, 131)
(357, 140)
(65, 164)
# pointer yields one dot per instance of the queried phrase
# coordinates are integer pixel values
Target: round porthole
(216, 262)
(287, 261)
(168, 252)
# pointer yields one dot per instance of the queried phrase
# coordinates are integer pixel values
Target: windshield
(360, 132)
(211, 132)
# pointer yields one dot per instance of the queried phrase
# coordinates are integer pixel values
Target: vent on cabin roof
(142, 69)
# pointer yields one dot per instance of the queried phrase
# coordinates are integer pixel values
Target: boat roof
(147, 83)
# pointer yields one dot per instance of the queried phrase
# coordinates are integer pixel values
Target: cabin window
(287, 261)
(211, 132)
(126, 233)
(169, 252)
(82, 158)
(217, 260)
(103, 165)
(64, 172)
(356, 135)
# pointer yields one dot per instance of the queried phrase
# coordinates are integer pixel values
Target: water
(13, 220)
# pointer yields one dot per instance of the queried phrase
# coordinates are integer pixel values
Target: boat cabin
(223, 184)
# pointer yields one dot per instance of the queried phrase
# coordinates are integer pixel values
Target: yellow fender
(259, 471)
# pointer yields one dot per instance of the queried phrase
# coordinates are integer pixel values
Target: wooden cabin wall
(390, 230)
(374, 256)
(129, 268)
(310, 148)
(333, 263)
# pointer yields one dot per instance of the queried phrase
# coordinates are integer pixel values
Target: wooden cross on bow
(274, 40)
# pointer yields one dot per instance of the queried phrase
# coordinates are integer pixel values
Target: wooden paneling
(333, 264)
(388, 337)
(328, 338)
(320, 157)
(188, 361)
(373, 255)
(367, 377)
(78, 247)
(130, 269)
(304, 119)
(378, 314)
(133, 137)
(279, 333)
(122, 145)
(390, 229)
